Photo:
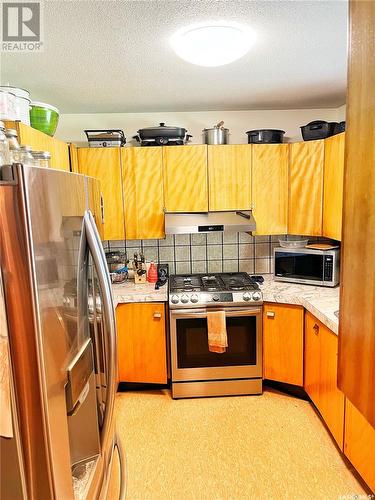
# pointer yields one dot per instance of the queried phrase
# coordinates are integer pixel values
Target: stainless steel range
(196, 371)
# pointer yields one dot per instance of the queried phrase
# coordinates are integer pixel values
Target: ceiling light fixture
(212, 44)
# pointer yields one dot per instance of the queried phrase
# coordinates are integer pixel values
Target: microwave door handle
(98, 257)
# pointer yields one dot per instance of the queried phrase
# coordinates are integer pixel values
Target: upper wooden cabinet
(142, 182)
(321, 348)
(283, 343)
(333, 186)
(42, 142)
(105, 164)
(306, 188)
(185, 178)
(142, 349)
(270, 164)
(229, 177)
(359, 443)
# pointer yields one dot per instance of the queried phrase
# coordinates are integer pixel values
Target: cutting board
(322, 246)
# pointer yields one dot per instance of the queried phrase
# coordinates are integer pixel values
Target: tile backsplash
(205, 253)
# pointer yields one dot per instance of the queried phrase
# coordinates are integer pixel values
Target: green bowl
(44, 117)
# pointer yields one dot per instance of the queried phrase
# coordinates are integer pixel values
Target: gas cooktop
(213, 289)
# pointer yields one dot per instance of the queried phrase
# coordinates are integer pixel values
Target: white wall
(71, 126)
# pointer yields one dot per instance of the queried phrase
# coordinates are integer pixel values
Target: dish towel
(217, 331)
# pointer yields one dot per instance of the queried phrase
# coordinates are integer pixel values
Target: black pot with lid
(162, 135)
(265, 136)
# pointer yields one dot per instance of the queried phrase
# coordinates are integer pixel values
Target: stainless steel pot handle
(90, 241)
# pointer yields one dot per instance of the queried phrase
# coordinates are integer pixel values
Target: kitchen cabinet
(320, 381)
(283, 343)
(359, 443)
(42, 142)
(229, 177)
(142, 343)
(306, 188)
(105, 165)
(333, 186)
(185, 178)
(270, 164)
(357, 313)
(142, 182)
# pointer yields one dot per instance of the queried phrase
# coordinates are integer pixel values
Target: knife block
(140, 279)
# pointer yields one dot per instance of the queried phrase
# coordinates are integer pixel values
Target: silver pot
(216, 135)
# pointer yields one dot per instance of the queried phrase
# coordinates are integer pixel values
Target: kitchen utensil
(7, 105)
(44, 117)
(162, 135)
(294, 243)
(105, 138)
(216, 135)
(21, 104)
(318, 129)
(265, 136)
(116, 261)
(118, 277)
(139, 266)
(163, 273)
(152, 274)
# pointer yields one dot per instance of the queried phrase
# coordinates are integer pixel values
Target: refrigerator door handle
(90, 242)
(121, 457)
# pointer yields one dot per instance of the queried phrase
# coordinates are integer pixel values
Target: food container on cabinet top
(265, 136)
(7, 105)
(44, 117)
(21, 103)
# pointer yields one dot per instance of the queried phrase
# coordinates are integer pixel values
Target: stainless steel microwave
(307, 266)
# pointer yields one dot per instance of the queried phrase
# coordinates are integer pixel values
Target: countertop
(322, 302)
(130, 292)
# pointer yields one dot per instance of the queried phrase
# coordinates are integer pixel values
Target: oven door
(191, 359)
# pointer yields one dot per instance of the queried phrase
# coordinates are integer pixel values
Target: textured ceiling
(114, 56)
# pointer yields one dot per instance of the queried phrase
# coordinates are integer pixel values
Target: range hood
(209, 222)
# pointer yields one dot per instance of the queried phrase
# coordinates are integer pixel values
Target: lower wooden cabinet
(321, 348)
(359, 443)
(283, 343)
(142, 352)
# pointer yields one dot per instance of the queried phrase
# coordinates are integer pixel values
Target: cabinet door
(185, 178)
(283, 343)
(142, 183)
(359, 443)
(270, 164)
(312, 358)
(321, 347)
(331, 399)
(333, 186)
(104, 164)
(306, 188)
(229, 177)
(141, 343)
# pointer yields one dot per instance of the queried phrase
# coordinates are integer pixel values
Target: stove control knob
(257, 296)
(194, 298)
(184, 299)
(216, 298)
(174, 299)
(246, 296)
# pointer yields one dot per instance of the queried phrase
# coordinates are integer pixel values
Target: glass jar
(14, 147)
(42, 158)
(4, 148)
(26, 158)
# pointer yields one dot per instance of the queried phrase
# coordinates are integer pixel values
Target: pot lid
(161, 126)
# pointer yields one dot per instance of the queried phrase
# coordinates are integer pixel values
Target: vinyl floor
(272, 446)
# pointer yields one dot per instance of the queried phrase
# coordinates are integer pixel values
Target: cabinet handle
(316, 329)
(102, 207)
(157, 315)
(270, 314)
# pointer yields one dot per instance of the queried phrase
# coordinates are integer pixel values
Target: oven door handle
(202, 313)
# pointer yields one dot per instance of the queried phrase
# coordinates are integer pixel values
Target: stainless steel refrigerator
(59, 332)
